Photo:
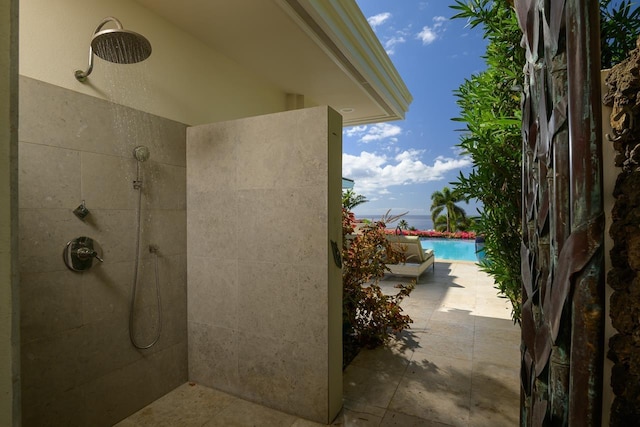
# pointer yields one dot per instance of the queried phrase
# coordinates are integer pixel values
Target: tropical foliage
(454, 218)
(350, 199)
(436, 234)
(369, 316)
(619, 27)
(490, 110)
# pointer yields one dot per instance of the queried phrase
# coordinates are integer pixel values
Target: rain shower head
(116, 45)
(121, 46)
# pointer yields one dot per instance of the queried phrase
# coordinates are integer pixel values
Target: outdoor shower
(122, 46)
(117, 45)
(142, 154)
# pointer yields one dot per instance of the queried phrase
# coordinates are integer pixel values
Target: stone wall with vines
(624, 347)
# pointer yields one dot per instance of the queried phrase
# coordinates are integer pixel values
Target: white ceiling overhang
(322, 49)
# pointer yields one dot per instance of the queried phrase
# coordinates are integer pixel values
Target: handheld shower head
(141, 153)
(116, 45)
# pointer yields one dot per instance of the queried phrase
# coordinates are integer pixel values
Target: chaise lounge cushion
(417, 258)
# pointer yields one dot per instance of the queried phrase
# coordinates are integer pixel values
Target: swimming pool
(451, 249)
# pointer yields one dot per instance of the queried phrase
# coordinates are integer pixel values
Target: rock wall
(624, 347)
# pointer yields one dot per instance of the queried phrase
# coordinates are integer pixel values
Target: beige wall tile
(45, 233)
(67, 408)
(213, 223)
(169, 147)
(85, 123)
(49, 177)
(285, 375)
(76, 325)
(213, 357)
(290, 227)
(105, 291)
(166, 228)
(130, 388)
(258, 219)
(106, 348)
(172, 269)
(164, 186)
(214, 304)
(107, 181)
(51, 303)
(54, 116)
(212, 158)
(50, 366)
(280, 152)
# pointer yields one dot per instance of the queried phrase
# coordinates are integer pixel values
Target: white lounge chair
(417, 258)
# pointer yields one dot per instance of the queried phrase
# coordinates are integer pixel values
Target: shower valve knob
(79, 253)
(85, 253)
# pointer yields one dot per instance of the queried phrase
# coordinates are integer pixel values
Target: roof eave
(344, 34)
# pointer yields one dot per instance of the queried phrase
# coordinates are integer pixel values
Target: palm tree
(350, 199)
(446, 200)
(440, 223)
(403, 225)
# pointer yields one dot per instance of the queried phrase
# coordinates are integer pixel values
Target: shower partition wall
(265, 321)
(78, 365)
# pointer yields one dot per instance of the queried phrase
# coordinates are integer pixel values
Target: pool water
(451, 249)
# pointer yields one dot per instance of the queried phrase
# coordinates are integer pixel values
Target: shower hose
(154, 250)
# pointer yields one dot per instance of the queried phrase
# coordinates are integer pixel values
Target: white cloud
(374, 173)
(378, 19)
(409, 155)
(363, 165)
(438, 20)
(377, 132)
(390, 44)
(355, 131)
(429, 34)
(381, 131)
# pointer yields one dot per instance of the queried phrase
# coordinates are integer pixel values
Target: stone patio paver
(462, 354)
(457, 366)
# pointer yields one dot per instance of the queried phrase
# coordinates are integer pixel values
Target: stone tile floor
(457, 366)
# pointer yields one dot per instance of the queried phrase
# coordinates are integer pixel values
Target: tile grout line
(402, 377)
(473, 359)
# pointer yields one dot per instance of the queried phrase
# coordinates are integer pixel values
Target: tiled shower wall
(78, 365)
(264, 291)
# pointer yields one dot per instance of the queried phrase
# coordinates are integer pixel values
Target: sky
(398, 165)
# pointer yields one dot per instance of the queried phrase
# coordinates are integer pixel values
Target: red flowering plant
(370, 317)
(435, 234)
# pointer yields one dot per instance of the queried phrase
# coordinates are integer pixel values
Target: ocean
(420, 222)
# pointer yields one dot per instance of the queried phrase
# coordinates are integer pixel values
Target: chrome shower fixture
(115, 45)
(141, 153)
(81, 211)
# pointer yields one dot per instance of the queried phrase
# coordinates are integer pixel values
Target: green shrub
(619, 27)
(490, 109)
(369, 316)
